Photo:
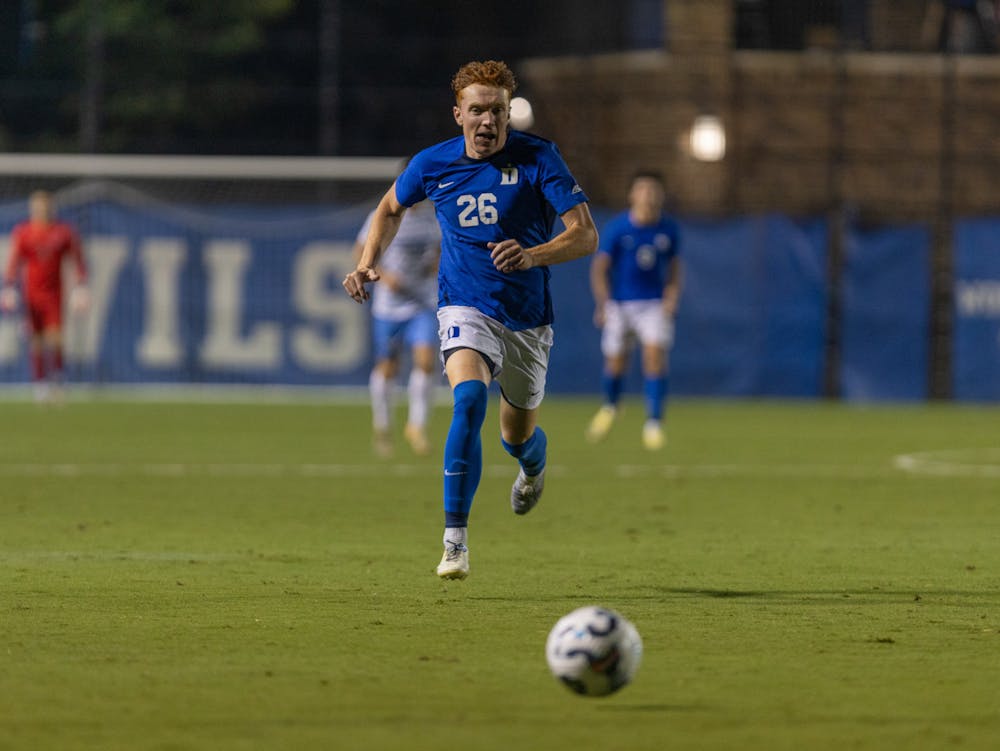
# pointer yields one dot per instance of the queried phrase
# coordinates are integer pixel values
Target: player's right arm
(384, 226)
(673, 288)
(8, 292)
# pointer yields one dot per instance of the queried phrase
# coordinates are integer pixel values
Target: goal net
(204, 270)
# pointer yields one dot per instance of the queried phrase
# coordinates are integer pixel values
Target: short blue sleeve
(410, 183)
(558, 186)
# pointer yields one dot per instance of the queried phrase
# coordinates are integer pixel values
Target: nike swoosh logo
(445, 185)
(452, 474)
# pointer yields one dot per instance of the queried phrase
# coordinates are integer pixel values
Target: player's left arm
(79, 300)
(577, 240)
(673, 288)
(76, 254)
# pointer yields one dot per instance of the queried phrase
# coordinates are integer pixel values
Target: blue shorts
(390, 336)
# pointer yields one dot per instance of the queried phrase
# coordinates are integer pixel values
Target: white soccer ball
(594, 651)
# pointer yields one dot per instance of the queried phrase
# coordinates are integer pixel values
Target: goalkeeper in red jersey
(38, 248)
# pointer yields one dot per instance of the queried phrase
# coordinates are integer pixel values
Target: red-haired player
(38, 248)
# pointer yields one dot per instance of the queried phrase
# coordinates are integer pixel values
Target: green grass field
(248, 576)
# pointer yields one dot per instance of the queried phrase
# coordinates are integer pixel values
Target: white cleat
(653, 437)
(455, 561)
(526, 491)
(600, 424)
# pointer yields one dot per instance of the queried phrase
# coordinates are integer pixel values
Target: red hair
(489, 73)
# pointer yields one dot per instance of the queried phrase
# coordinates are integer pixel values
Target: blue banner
(886, 312)
(184, 294)
(976, 352)
(209, 296)
(227, 295)
(752, 317)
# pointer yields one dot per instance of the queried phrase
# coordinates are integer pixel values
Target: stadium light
(708, 139)
(522, 116)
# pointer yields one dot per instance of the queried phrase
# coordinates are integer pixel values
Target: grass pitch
(248, 576)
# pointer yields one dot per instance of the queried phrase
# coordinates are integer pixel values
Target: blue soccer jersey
(640, 256)
(515, 194)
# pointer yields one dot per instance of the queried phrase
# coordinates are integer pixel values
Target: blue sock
(463, 452)
(531, 453)
(611, 387)
(656, 396)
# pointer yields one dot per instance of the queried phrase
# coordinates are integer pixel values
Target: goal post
(165, 167)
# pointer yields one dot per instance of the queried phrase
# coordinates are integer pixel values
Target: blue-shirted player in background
(497, 193)
(636, 281)
(404, 313)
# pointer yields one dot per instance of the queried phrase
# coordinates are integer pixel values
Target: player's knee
(614, 365)
(470, 402)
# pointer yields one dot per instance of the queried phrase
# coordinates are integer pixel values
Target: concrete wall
(897, 136)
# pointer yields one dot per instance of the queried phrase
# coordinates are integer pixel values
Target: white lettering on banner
(980, 298)
(162, 259)
(106, 256)
(9, 325)
(331, 335)
(223, 348)
(317, 295)
(9, 351)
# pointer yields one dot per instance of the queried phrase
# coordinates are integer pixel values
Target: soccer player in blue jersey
(497, 193)
(636, 281)
(404, 314)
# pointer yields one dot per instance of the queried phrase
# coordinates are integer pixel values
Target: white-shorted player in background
(404, 315)
(636, 279)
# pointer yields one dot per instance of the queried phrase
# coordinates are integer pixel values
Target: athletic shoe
(455, 561)
(601, 423)
(382, 443)
(417, 439)
(526, 491)
(652, 436)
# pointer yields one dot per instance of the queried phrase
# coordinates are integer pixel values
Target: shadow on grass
(874, 595)
(652, 708)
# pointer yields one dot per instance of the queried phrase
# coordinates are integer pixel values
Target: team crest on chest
(508, 175)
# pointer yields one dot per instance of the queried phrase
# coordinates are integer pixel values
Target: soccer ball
(594, 651)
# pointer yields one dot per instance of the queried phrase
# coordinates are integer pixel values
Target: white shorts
(642, 319)
(520, 358)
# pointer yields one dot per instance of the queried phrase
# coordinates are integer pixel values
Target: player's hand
(355, 282)
(599, 316)
(79, 299)
(508, 256)
(8, 299)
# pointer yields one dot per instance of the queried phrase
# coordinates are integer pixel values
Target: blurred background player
(496, 192)
(636, 281)
(404, 314)
(38, 249)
